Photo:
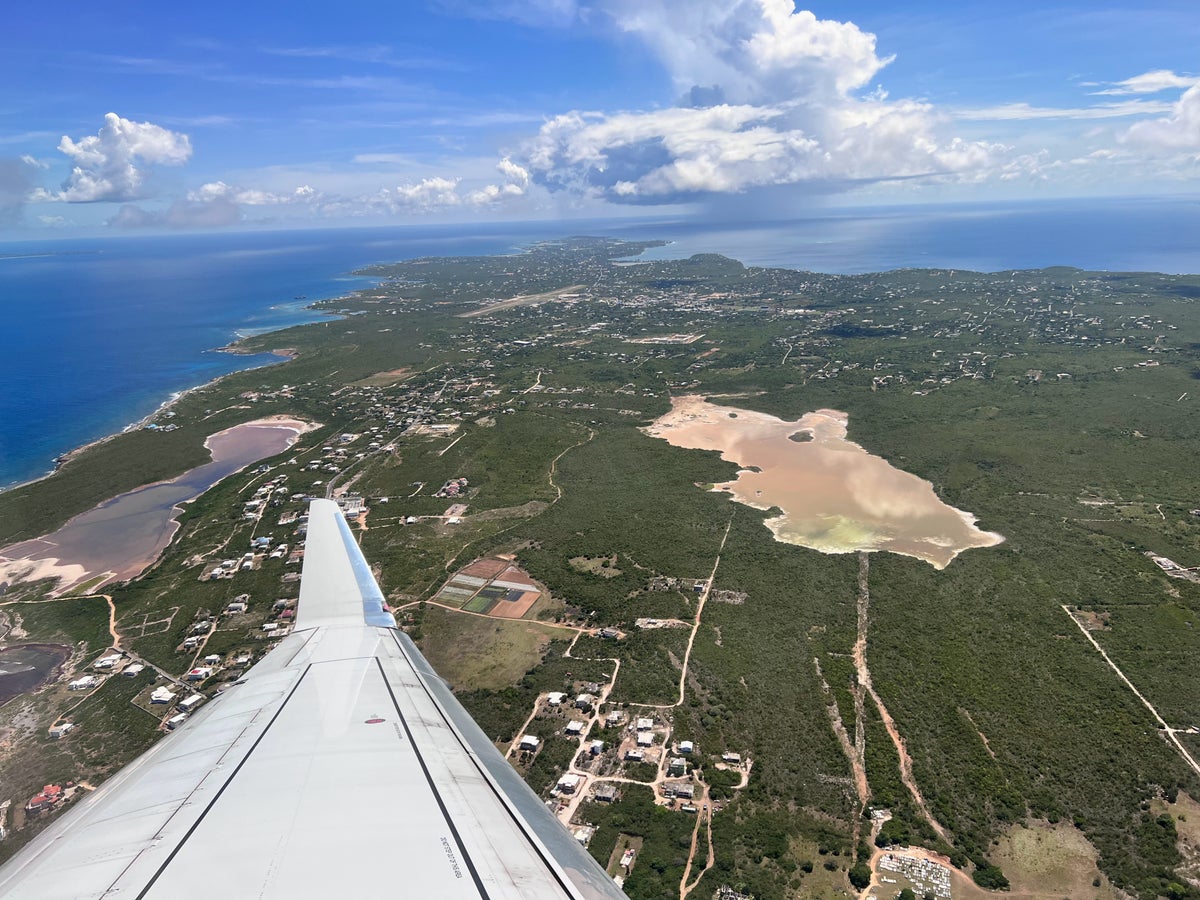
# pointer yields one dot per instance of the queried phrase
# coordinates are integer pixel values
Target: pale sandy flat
(832, 494)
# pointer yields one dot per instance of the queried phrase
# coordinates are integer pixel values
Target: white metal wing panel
(126, 828)
(296, 817)
(336, 585)
(556, 847)
(341, 766)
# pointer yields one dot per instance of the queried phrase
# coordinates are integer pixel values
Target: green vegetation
(860, 876)
(109, 730)
(475, 652)
(500, 712)
(1054, 405)
(80, 622)
(666, 837)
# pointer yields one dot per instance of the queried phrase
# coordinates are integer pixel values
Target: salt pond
(833, 495)
(121, 537)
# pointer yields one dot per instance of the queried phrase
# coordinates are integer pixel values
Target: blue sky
(171, 116)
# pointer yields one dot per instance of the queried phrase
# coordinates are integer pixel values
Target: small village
(598, 734)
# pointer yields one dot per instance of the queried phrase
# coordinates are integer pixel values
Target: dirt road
(864, 680)
(1167, 730)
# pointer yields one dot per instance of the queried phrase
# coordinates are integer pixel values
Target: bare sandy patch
(384, 379)
(15, 567)
(1186, 813)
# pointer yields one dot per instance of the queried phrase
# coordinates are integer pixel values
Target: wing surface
(341, 767)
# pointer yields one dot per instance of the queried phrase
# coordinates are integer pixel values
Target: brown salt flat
(834, 496)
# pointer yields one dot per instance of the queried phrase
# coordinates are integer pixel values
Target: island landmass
(721, 699)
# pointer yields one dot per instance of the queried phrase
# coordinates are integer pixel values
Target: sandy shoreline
(287, 354)
(123, 536)
(37, 565)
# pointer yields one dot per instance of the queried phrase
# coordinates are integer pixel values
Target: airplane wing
(341, 766)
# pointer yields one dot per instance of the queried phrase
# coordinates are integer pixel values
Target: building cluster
(455, 487)
(50, 798)
(926, 876)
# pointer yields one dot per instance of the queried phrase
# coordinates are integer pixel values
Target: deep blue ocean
(99, 332)
(1145, 235)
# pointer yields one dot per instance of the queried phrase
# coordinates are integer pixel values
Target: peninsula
(942, 636)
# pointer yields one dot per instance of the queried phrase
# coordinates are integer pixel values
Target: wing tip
(337, 584)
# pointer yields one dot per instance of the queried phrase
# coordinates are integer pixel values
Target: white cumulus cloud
(1151, 83)
(212, 205)
(215, 190)
(771, 95)
(426, 195)
(1176, 134)
(108, 165)
(493, 193)
(752, 50)
(515, 175)
(435, 194)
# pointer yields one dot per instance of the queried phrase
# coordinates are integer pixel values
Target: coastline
(237, 333)
(76, 453)
(69, 456)
(52, 556)
(42, 559)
